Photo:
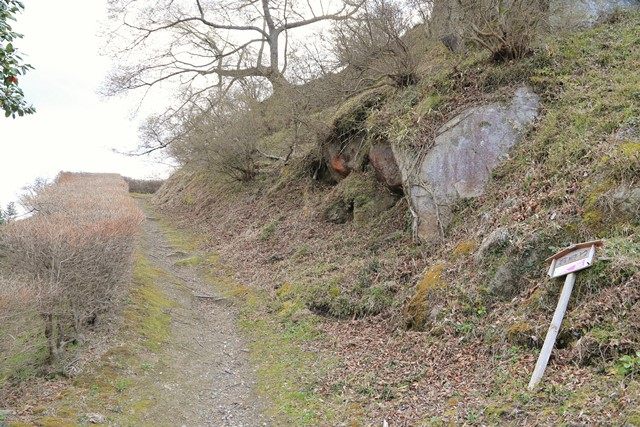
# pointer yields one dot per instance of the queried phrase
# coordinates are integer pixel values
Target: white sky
(74, 128)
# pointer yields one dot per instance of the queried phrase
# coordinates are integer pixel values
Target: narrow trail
(209, 380)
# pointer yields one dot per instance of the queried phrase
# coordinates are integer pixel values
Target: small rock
(497, 239)
(627, 132)
(503, 285)
(339, 212)
(96, 418)
(627, 200)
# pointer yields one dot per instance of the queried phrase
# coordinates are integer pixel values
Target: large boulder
(384, 164)
(465, 152)
(584, 13)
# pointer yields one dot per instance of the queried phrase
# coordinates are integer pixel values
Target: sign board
(575, 258)
(564, 263)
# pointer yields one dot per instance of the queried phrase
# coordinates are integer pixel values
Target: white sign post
(566, 262)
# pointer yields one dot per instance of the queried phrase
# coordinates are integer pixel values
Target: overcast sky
(74, 128)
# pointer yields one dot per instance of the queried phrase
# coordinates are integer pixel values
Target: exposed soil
(212, 382)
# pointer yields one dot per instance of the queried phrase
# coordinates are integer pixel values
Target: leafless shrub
(143, 186)
(75, 251)
(221, 140)
(506, 28)
(377, 44)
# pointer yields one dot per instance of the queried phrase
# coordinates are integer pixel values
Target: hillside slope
(448, 331)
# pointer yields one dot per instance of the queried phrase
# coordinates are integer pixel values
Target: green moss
(465, 247)
(148, 312)
(352, 113)
(417, 308)
(189, 199)
(634, 419)
(180, 239)
(191, 261)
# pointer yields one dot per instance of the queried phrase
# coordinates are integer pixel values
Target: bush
(506, 28)
(75, 252)
(21, 332)
(143, 186)
(221, 141)
(377, 44)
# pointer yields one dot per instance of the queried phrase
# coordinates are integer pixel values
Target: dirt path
(209, 380)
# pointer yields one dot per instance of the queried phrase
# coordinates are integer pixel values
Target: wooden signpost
(566, 262)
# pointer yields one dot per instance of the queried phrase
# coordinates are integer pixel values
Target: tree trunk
(49, 332)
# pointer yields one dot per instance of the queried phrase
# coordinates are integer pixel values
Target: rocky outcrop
(384, 164)
(460, 163)
(584, 13)
(358, 197)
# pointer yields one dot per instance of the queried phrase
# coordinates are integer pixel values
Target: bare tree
(211, 44)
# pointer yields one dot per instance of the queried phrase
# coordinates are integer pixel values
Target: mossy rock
(352, 113)
(416, 311)
(333, 299)
(464, 248)
(522, 333)
(359, 197)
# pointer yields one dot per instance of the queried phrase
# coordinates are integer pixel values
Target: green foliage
(629, 364)
(268, 231)
(10, 212)
(11, 65)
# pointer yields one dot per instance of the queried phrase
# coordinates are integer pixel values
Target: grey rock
(627, 133)
(504, 283)
(465, 152)
(626, 200)
(96, 418)
(497, 239)
(339, 212)
(584, 13)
